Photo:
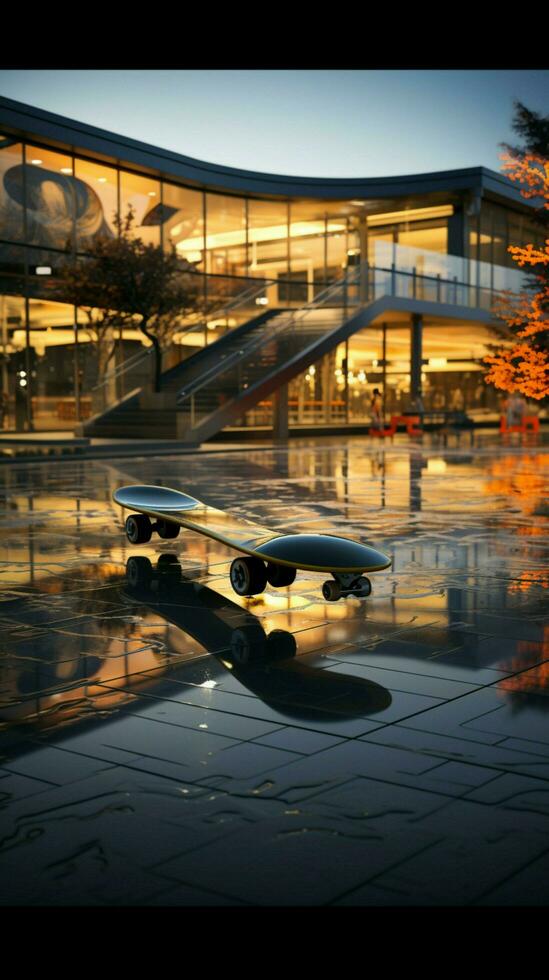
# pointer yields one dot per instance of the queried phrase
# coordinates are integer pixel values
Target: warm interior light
(102, 180)
(36, 162)
(435, 362)
(43, 270)
(66, 170)
(412, 214)
(232, 239)
(152, 193)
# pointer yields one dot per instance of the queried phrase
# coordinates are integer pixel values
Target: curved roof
(26, 121)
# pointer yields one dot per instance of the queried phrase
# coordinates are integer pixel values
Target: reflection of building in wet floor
(131, 648)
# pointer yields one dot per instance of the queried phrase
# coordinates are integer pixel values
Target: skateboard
(269, 556)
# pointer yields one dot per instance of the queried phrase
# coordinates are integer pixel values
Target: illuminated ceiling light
(312, 370)
(209, 684)
(435, 362)
(262, 301)
(102, 180)
(152, 193)
(361, 376)
(412, 214)
(43, 270)
(375, 362)
(307, 377)
(36, 163)
(359, 204)
(23, 382)
(273, 233)
(66, 170)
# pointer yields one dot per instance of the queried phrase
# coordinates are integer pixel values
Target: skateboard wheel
(139, 571)
(280, 575)
(281, 645)
(167, 529)
(331, 591)
(247, 644)
(365, 586)
(138, 529)
(248, 576)
(168, 565)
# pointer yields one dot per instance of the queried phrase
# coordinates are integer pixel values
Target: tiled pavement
(178, 745)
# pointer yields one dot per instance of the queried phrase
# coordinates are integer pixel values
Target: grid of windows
(55, 205)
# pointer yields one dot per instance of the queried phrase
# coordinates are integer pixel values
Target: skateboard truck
(344, 584)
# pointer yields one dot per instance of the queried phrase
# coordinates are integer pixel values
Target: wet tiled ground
(173, 744)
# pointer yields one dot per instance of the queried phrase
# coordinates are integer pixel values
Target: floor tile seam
(510, 876)
(199, 847)
(339, 740)
(39, 779)
(422, 694)
(389, 869)
(238, 714)
(459, 697)
(407, 781)
(175, 883)
(415, 673)
(55, 808)
(501, 768)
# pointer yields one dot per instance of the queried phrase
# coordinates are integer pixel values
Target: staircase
(142, 414)
(216, 386)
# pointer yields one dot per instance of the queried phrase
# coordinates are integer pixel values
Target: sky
(316, 123)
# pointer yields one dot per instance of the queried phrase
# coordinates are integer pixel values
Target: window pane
(51, 332)
(433, 238)
(143, 195)
(268, 243)
(225, 235)
(364, 372)
(11, 192)
(307, 243)
(184, 223)
(50, 198)
(13, 403)
(317, 396)
(97, 197)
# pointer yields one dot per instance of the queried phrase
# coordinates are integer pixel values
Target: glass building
(410, 265)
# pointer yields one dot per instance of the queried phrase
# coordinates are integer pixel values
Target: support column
(384, 363)
(416, 347)
(280, 413)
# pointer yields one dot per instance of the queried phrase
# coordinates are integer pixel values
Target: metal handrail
(360, 274)
(255, 341)
(239, 300)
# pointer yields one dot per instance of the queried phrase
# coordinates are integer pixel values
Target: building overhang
(28, 122)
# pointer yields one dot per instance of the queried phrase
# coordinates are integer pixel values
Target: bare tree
(123, 280)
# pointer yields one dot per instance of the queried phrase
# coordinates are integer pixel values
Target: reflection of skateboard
(267, 665)
(270, 556)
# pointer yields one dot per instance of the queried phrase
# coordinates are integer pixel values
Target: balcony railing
(396, 270)
(294, 332)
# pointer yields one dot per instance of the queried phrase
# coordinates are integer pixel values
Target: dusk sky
(328, 123)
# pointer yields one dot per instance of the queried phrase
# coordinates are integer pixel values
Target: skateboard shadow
(266, 664)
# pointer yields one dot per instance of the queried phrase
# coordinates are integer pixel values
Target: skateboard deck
(272, 556)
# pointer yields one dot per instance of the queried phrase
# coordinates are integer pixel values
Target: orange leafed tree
(524, 365)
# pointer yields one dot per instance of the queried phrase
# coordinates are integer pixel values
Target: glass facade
(280, 253)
